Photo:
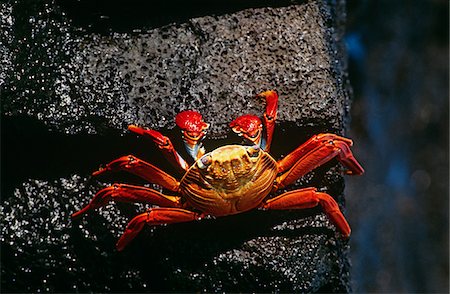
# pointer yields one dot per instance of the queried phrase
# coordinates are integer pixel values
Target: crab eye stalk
(205, 161)
(253, 151)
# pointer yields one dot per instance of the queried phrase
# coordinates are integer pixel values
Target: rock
(79, 90)
(80, 82)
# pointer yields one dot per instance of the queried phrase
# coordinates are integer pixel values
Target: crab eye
(253, 151)
(205, 161)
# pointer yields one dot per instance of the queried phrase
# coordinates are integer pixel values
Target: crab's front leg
(153, 217)
(164, 144)
(270, 115)
(309, 198)
(193, 129)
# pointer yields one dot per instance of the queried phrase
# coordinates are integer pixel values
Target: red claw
(194, 129)
(191, 121)
(249, 126)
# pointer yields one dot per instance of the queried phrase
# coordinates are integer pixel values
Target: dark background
(399, 210)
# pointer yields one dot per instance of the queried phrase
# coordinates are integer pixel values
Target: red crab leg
(128, 193)
(315, 152)
(270, 115)
(153, 217)
(164, 144)
(308, 198)
(142, 169)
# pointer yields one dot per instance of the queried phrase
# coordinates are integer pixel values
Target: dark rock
(77, 82)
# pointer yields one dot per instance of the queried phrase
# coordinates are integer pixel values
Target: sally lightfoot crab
(228, 180)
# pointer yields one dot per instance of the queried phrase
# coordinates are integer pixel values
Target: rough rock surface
(62, 83)
(77, 82)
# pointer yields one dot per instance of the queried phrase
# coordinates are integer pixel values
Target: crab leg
(164, 144)
(153, 217)
(142, 169)
(308, 198)
(270, 115)
(128, 193)
(315, 152)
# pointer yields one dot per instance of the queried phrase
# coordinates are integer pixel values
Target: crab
(228, 180)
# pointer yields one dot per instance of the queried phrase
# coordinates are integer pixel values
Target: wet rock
(81, 82)
(77, 82)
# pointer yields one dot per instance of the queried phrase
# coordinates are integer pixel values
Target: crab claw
(194, 129)
(249, 126)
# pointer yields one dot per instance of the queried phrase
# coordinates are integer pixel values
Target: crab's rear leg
(142, 169)
(164, 144)
(128, 193)
(309, 198)
(313, 153)
(153, 217)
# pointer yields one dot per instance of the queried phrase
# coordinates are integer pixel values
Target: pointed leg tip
(96, 173)
(75, 215)
(346, 234)
(344, 228)
(345, 237)
(119, 246)
(135, 129)
(123, 241)
(127, 237)
(355, 172)
(361, 171)
(80, 212)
